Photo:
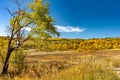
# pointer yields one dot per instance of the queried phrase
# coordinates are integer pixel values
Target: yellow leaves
(16, 22)
(78, 45)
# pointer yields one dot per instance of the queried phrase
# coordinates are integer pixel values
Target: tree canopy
(36, 18)
(43, 23)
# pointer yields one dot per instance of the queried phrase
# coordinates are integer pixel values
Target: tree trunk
(6, 64)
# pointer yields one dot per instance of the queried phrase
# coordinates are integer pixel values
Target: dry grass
(91, 71)
(93, 65)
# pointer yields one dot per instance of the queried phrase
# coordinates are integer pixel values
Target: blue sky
(80, 18)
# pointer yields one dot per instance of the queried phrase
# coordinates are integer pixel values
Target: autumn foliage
(61, 44)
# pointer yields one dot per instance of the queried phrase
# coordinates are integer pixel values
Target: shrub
(17, 59)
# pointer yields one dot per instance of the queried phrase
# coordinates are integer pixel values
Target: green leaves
(38, 19)
(43, 23)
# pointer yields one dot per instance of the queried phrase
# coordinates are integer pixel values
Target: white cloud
(2, 32)
(69, 29)
(26, 28)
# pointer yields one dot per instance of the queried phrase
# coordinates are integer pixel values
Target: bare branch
(8, 10)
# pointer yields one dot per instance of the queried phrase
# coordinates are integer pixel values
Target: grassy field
(68, 65)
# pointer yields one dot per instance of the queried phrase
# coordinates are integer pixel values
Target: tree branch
(8, 10)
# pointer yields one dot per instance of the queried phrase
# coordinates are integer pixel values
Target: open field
(60, 40)
(110, 58)
(72, 56)
(69, 65)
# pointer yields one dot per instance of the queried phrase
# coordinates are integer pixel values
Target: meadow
(64, 59)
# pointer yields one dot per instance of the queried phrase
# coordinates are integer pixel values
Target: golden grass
(96, 65)
(84, 72)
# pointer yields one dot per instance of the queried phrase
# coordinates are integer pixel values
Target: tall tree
(37, 19)
(43, 23)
